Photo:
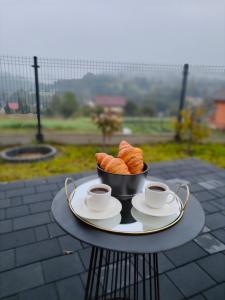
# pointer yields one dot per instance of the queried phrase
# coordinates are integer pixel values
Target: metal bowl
(124, 187)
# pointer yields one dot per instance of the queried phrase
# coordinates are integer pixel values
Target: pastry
(111, 164)
(132, 156)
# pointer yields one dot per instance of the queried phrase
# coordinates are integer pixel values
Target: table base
(122, 276)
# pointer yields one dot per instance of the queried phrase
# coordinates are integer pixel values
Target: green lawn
(80, 158)
(84, 124)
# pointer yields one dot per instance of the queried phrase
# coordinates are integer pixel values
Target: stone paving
(33, 263)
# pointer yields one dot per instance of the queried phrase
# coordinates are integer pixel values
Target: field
(83, 124)
(80, 158)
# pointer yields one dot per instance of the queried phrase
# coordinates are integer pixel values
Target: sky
(151, 31)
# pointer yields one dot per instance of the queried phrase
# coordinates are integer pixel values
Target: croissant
(132, 156)
(111, 164)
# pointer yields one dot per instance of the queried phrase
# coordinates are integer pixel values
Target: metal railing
(33, 83)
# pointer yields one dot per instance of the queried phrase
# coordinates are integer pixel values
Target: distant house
(114, 103)
(13, 105)
(218, 117)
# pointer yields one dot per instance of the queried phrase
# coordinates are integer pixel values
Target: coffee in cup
(98, 197)
(157, 194)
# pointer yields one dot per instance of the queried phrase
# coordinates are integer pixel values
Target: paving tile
(215, 221)
(7, 260)
(188, 284)
(68, 243)
(55, 230)
(15, 297)
(31, 220)
(20, 192)
(164, 263)
(211, 184)
(214, 265)
(12, 185)
(15, 201)
(51, 216)
(17, 211)
(2, 214)
(70, 288)
(37, 251)
(47, 196)
(209, 207)
(215, 293)
(46, 187)
(40, 206)
(185, 254)
(204, 196)
(4, 203)
(220, 191)
(20, 279)
(16, 239)
(61, 267)
(35, 182)
(168, 290)
(85, 255)
(219, 234)
(5, 226)
(2, 195)
(46, 292)
(197, 297)
(41, 232)
(209, 243)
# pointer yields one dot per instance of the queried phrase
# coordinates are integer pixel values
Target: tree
(65, 105)
(68, 104)
(147, 110)
(192, 128)
(23, 107)
(131, 108)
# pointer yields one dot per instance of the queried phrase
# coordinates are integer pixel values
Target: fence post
(39, 135)
(182, 98)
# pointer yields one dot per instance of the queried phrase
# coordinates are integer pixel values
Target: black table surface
(184, 231)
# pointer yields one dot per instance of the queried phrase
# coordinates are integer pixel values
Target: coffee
(156, 188)
(99, 191)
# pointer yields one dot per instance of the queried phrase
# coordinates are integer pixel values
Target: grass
(80, 158)
(83, 124)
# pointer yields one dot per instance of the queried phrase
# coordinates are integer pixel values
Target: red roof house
(110, 101)
(218, 117)
(114, 103)
(13, 105)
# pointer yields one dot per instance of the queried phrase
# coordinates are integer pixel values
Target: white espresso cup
(157, 194)
(98, 197)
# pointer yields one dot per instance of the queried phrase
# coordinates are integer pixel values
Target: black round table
(119, 262)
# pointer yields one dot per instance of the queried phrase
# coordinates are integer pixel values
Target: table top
(185, 230)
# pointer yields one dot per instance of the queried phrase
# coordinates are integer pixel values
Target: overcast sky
(155, 31)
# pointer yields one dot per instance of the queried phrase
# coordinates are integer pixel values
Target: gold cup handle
(187, 194)
(69, 196)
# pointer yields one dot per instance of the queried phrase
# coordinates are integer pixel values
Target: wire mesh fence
(148, 95)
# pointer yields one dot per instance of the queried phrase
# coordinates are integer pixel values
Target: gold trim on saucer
(69, 197)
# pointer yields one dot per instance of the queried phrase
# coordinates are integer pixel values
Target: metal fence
(34, 86)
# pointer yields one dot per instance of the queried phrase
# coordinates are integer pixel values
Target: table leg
(156, 276)
(115, 275)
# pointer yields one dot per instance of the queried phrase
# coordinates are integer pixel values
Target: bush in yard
(65, 105)
(108, 123)
(192, 128)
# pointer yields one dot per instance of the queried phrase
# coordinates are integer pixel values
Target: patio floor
(33, 263)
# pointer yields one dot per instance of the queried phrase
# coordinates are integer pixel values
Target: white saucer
(107, 223)
(78, 205)
(139, 203)
(151, 222)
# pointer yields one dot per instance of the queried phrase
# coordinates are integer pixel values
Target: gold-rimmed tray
(130, 221)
